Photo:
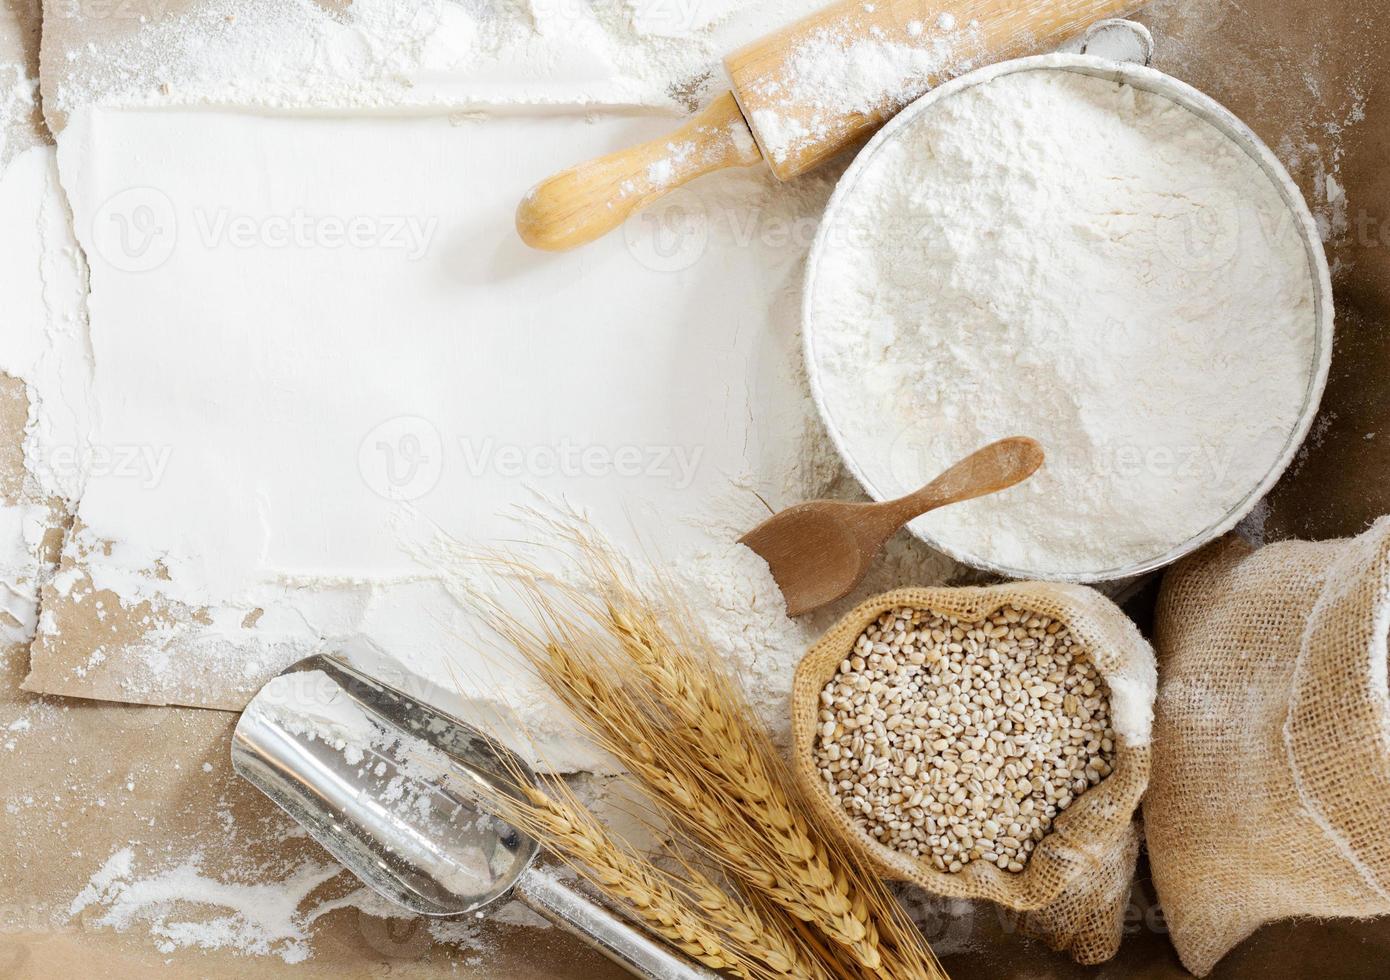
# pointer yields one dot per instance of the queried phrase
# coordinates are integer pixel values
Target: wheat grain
(715, 717)
(961, 741)
(695, 915)
(656, 697)
(806, 885)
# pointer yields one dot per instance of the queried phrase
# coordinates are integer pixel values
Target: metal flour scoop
(388, 785)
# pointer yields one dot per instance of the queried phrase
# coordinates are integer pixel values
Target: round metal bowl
(1200, 105)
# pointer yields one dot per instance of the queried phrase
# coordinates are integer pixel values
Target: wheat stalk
(708, 706)
(695, 915)
(768, 850)
(658, 699)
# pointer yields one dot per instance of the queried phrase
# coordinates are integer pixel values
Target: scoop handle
(622, 942)
(582, 203)
(996, 467)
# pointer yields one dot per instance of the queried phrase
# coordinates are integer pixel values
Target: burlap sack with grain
(1271, 782)
(1074, 888)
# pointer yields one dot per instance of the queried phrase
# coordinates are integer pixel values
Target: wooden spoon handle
(996, 467)
(578, 205)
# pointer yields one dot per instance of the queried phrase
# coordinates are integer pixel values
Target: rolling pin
(800, 96)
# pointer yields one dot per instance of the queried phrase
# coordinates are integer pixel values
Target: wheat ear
(707, 706)
(696, 916)
(663, 703)
(711, 785)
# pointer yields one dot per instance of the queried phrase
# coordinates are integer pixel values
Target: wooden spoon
(818, 551)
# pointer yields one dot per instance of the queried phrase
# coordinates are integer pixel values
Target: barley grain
(1010, 722)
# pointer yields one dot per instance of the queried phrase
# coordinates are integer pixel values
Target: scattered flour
(259, 918)
(832, 74)
(308, 704)
(372, 54)
(425, 54)
(1063, 257)
(718, 420)
(686, 158)
(661, 172)
(18, 99)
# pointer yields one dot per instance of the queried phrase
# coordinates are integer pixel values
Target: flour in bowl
(1065, 257)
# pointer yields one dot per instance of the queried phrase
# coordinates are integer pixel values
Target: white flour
(696, 371)
(1059, 256)
(435, 55)
(834, 73)
(261, 918)
(422, 54)
(680, 439)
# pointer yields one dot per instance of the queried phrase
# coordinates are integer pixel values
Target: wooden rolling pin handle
(580, 204)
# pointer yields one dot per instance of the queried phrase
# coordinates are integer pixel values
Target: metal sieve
(1142, 77)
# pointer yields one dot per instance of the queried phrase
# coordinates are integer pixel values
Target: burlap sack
(1076, 883)
(1271, 782)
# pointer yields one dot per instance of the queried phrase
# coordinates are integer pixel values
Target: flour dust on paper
(259, 350)
(281, 374)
